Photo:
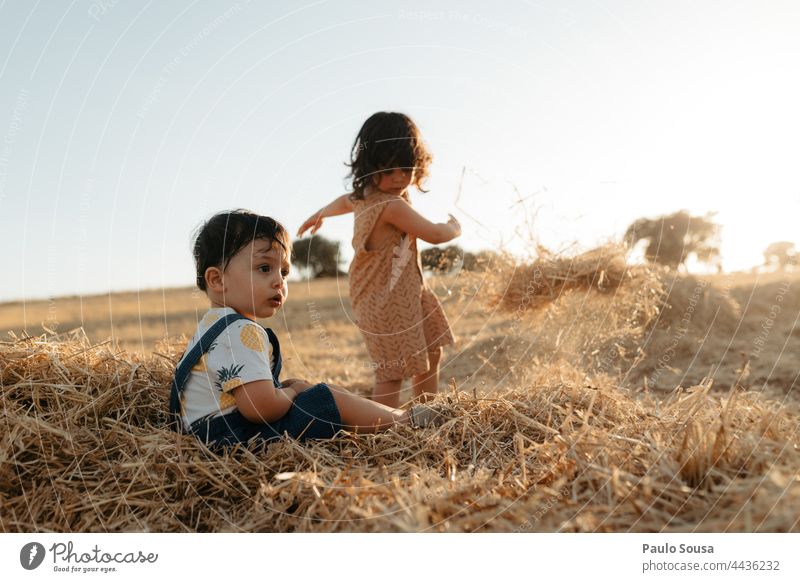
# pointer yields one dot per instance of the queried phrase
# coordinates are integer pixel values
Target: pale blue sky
(124, 124)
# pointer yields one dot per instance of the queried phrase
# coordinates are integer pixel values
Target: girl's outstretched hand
(455, 225)
(314, 222)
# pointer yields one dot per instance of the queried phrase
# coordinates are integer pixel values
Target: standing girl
(400, 318)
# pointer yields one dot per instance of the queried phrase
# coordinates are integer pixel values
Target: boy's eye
(285, 273)
(264, 268)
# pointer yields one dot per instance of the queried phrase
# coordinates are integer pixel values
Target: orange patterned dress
(400, 318)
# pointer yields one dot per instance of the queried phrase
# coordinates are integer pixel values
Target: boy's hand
(314, 222)
(455, 225)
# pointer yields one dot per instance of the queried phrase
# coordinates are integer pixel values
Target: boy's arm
(261, 402)
(400, 214)
(341, 205)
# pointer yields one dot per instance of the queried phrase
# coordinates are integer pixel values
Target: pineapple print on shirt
(227, 380)
(250, 338)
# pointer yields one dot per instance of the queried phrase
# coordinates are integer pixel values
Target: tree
(446, 259)
(317, 256)
(672, 239)
(441, 259)
(781, 254)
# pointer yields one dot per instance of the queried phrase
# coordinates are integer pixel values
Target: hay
(650, 325)
(550, 276)
(84, 449)
(593, 310)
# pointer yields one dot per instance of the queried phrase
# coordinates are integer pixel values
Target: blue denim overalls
(313, 413)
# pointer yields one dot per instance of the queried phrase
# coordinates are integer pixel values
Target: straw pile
(643, 324)
(84, 449)
(551, 275)
(593, 310)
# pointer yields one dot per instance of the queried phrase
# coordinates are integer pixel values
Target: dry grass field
(646, 402)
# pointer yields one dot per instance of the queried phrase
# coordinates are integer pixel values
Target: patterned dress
(400, 318)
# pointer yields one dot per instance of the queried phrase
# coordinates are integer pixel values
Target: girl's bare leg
(427, 384)
(387, 393)
(363, 415)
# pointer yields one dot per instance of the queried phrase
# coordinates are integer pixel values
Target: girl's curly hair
(387, 140)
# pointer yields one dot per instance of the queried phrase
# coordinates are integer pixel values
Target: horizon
(758, 271)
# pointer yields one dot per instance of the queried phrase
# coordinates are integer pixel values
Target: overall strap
(276, 356)
(190, 359)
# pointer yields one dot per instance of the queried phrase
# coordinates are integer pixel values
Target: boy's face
(254, 283)
(394, 180)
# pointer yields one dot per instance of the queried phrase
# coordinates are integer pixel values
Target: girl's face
(394, 180)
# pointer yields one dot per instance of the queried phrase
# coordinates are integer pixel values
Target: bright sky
(124, 124)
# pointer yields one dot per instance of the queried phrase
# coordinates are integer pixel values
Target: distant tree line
(781, 255)
(668, 240)
(671, 239)
(317, 257)
(446, 259)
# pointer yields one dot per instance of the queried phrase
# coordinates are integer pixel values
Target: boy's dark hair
(226, 233)
(387, 140)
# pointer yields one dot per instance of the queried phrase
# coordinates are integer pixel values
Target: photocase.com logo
(31, 555)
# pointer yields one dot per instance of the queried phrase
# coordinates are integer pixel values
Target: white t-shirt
(242, 353)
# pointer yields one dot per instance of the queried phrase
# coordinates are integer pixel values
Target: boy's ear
(213, 277)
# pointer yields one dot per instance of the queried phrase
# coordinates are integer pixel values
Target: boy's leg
(426, 384)
(363, 415)
(387, 393)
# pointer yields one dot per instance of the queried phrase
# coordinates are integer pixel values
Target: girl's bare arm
(400, 214)
(340, 205)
